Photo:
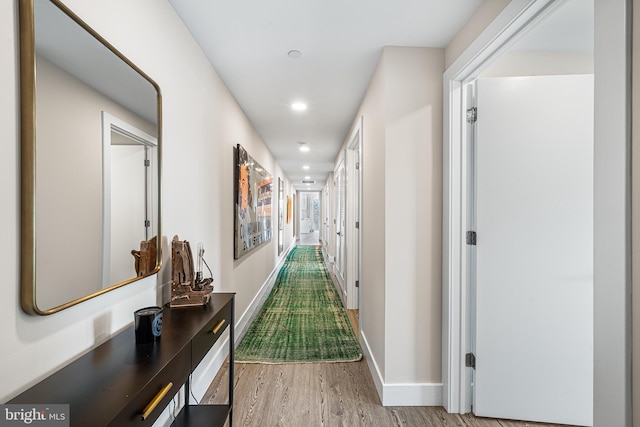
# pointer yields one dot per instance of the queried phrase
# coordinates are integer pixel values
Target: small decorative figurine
(187, 289)
(145, 259)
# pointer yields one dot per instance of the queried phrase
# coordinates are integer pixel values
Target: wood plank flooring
(325, 394)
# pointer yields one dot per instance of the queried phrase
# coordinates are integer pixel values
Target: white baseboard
(243, 323)
(373, 366)
(206, 371)
(412, 394)
(204, 374)
(401, 394)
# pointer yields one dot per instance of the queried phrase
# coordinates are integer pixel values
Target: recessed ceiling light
(303, 147)
(294, 54)
(305, 167)
(307, 177)
(299, 106)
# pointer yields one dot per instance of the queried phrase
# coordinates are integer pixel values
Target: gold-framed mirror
(90, 162)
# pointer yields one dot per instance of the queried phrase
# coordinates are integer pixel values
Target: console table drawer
(114, 383)
(204, 340)
(156, 395)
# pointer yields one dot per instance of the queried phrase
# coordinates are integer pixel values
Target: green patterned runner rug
(303, 319)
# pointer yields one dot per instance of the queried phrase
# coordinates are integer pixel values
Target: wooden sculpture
(187, 288)
(145, 259)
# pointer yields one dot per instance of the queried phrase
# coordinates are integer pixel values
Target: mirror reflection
(95, 164)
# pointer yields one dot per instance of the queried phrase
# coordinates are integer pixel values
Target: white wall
(372, 291)
(486, 12)
(539, 63)
(69, 211)
(413, 211)
(201, 125)
(401, 225)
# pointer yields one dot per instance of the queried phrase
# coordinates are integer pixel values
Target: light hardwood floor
(327, 395)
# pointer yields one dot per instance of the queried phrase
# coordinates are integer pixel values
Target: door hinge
(472, 115)
(357, 166)
(357, 283)
(470, 360)
(471, 238)
(147, 162)
(147, 223)
(357, 224)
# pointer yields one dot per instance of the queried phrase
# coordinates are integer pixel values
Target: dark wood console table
(121, 384)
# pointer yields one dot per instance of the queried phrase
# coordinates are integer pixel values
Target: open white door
(340, 195)
(534, 270)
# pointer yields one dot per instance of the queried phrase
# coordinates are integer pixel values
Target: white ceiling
(341, 41)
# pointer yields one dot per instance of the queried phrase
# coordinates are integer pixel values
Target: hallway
(312, 238)
(325, 394)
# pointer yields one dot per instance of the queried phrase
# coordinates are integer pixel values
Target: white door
(128, 207)
(340, 225)
(534, 266)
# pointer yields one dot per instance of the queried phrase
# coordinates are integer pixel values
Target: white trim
(419, 394)
(371, 363)
(612, 342)
(352, 209)
(340, 249)
(492, 41)
(206, 371)
(113, 124)
(400, 394)
(244, 321)
(208, 368)
(612, 201)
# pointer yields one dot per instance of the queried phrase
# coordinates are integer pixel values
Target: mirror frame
(27, 52)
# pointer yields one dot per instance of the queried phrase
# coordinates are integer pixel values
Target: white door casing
(340, 220)
(353, 217)
(124, 165)
(612, 373)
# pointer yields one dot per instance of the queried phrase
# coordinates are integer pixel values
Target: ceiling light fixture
(307, 177)
(295, 54)
(303, 147)
(305, 167)
(299, 106)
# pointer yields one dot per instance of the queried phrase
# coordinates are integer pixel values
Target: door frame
(612, 272)
(340, 256)
(353, 174)
(110, 124)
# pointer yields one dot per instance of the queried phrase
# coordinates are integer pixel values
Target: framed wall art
(253, 224)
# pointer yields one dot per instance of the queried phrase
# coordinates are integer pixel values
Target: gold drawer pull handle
(218, 326)
(154, 402)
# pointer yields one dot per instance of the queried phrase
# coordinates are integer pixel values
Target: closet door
(534, 265)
